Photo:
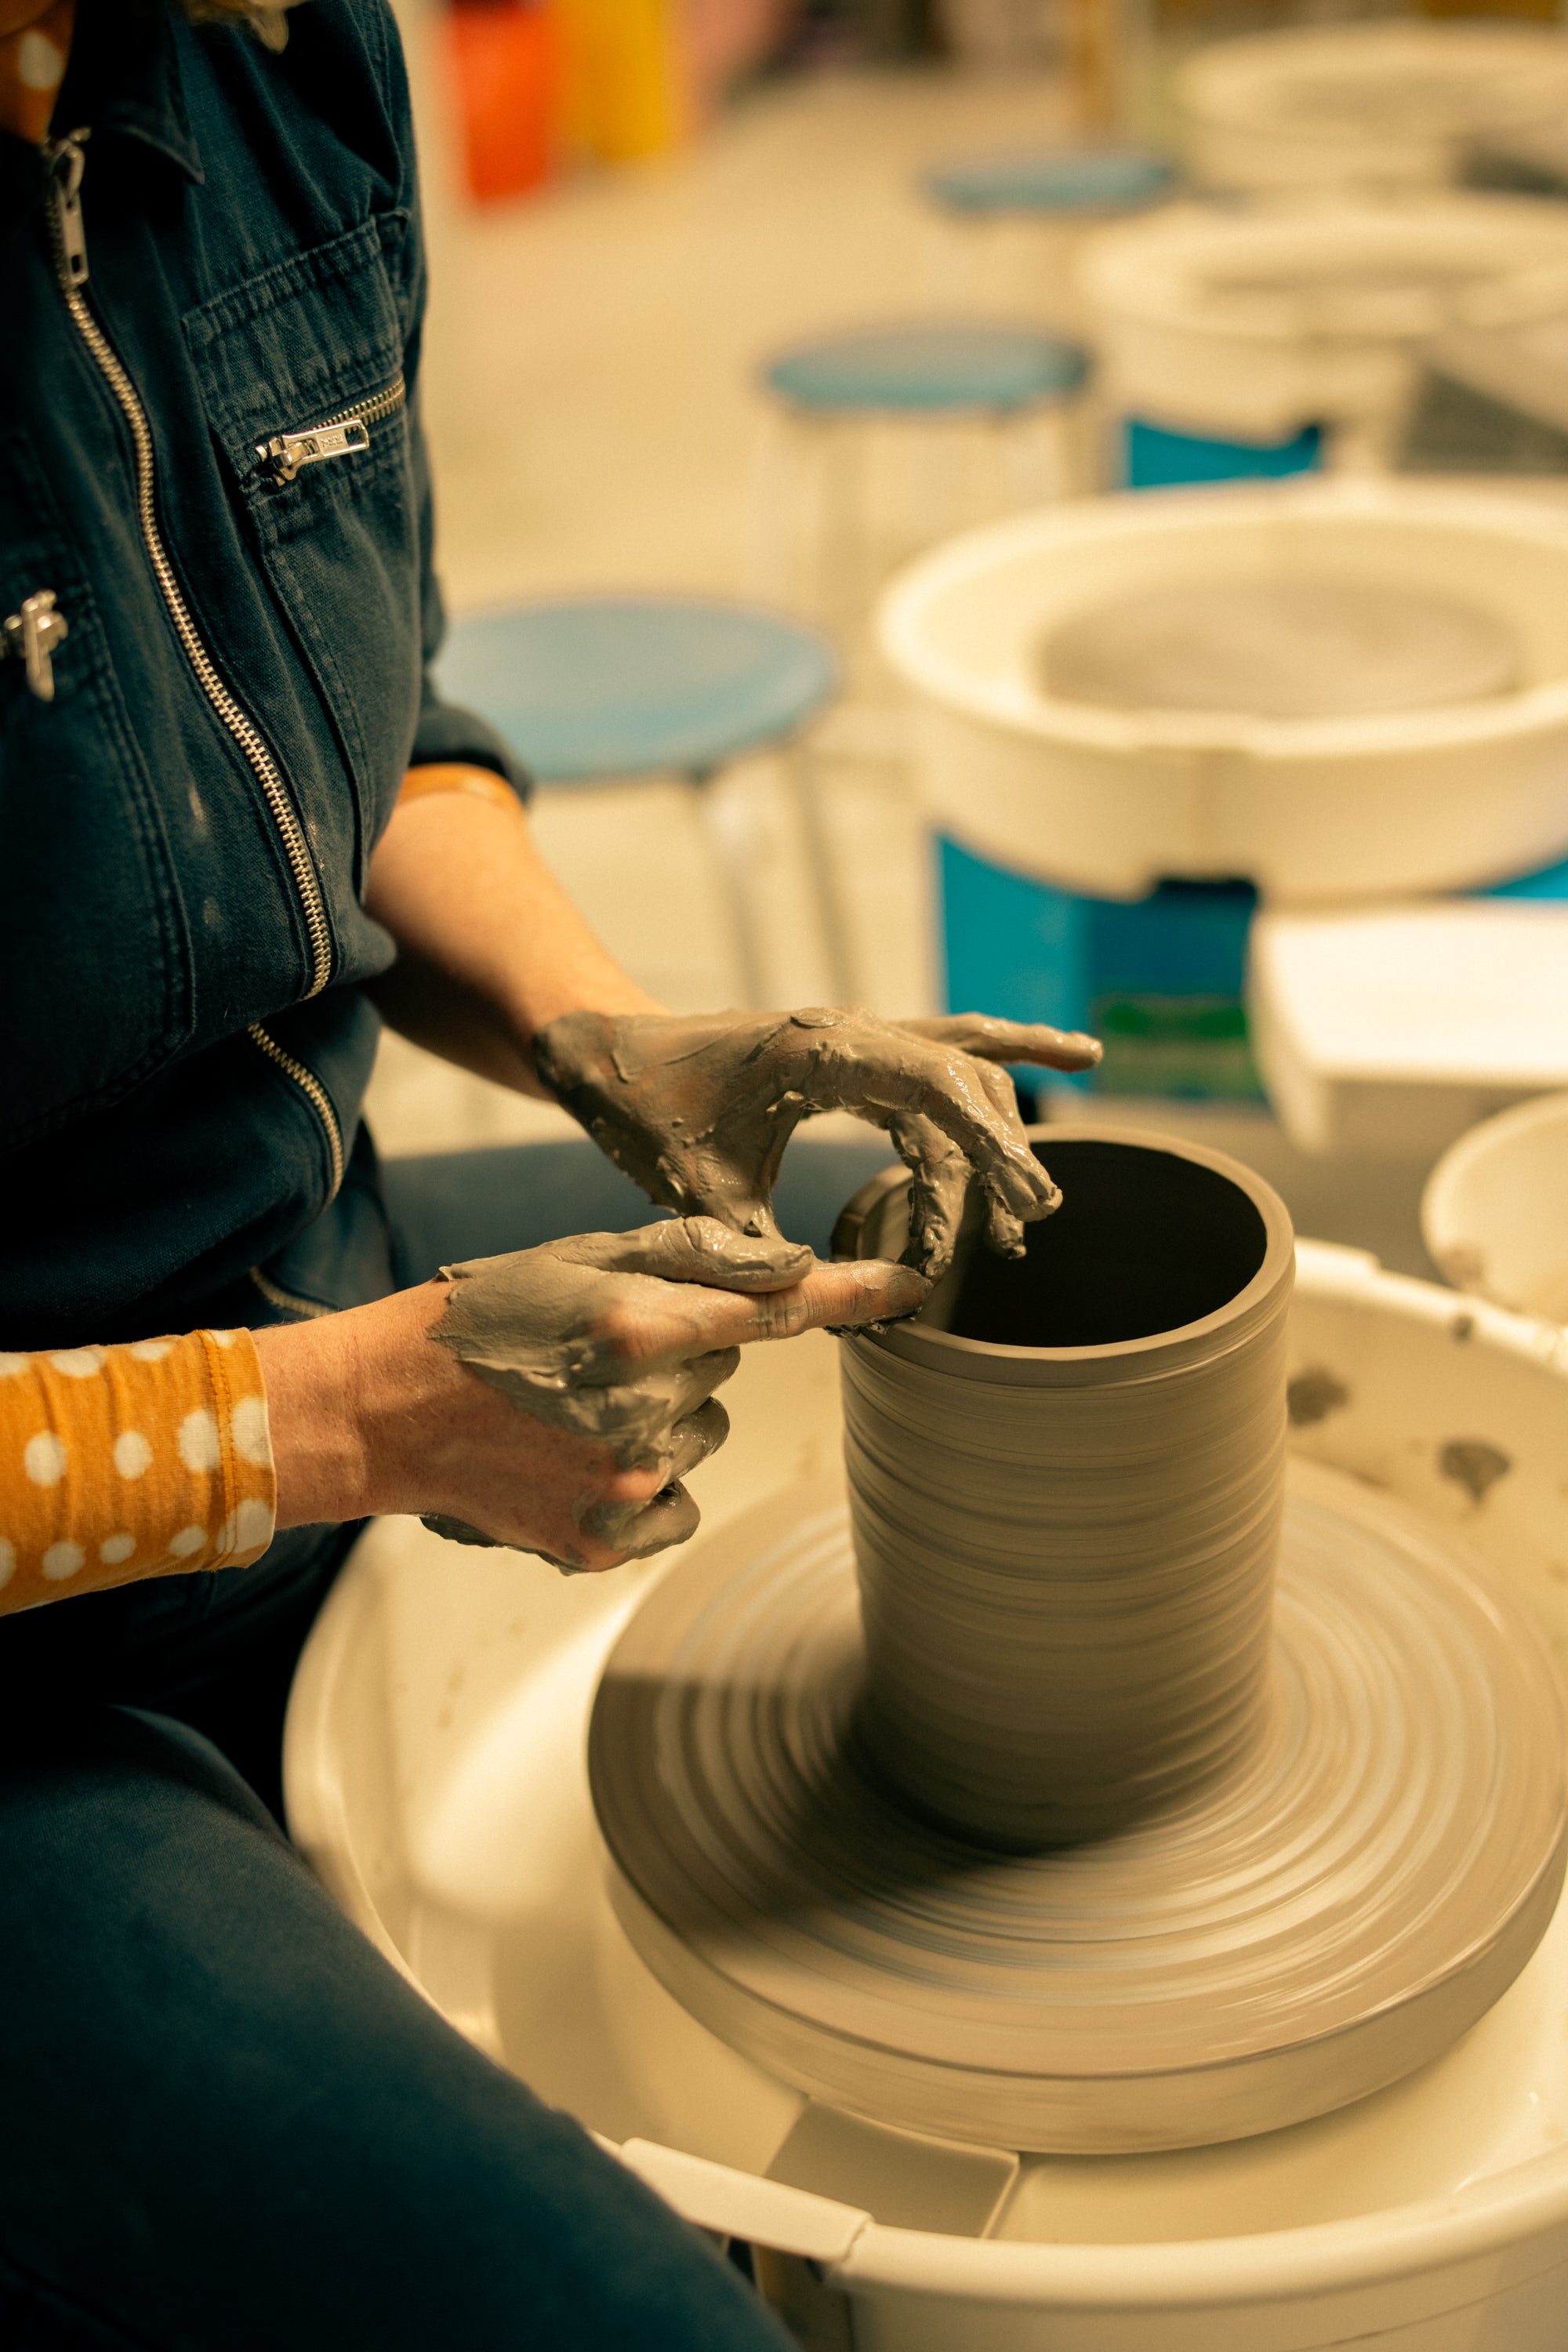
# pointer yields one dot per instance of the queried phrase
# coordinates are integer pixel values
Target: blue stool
(970, 366)
(1052, 183)
(1008, 229)
(1015, 387)
(605, 688)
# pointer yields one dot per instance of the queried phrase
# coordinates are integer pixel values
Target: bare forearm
(489, 947)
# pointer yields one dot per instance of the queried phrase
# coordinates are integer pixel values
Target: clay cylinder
(1066, 1482)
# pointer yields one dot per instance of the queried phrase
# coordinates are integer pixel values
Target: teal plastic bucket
(1154, 457)
(1161, 980)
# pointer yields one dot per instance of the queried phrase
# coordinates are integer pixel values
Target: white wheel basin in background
(1111, 802)
(1370, 106)
(436, 1778)
(1259, 323)
(1495, 1212)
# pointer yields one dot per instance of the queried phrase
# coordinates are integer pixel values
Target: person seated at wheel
(242, 828)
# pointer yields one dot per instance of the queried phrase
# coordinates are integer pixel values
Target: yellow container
(624, 87)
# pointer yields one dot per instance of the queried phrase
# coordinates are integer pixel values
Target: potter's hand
(620, 1339)
(698, 1110)
(571, 1391)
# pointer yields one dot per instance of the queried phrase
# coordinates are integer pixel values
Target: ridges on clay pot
(1065, 1482)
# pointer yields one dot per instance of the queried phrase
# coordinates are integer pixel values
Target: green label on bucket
(1182, 1045)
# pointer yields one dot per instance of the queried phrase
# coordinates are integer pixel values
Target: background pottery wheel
(1285, 647)
(1327, 1915)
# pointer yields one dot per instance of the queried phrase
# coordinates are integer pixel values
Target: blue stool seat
(915, 369)
(1053, 182)
(600, 686)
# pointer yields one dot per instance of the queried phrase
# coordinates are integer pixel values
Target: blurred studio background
(1050, 507)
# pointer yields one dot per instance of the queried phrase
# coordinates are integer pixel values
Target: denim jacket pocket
(301, 376)
(95, 958)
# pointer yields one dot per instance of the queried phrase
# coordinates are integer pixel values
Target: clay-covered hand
(698, 1110)
(620, 1339)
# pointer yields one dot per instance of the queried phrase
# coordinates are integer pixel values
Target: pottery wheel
(1323, 1918)
(1296, 648)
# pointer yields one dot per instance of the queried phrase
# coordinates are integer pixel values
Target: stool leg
(827, 887)
(783, 480)
(730, 859)
(843, 553)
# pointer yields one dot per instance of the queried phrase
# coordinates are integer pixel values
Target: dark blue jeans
(226, 2124)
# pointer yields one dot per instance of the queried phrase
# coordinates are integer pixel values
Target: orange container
(507, 59)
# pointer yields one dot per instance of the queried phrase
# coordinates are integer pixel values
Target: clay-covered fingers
(702, 1433)
(939, 1188)
(998, 1085)
(886, 1071)
(675, 1322)
(635, 1416)
(1003, 1225)
(638, 1530)
(991, 1039)
(1003, 1219)
(635, 1527)
(956, 1098)
(696, 1249)
(941, 1174)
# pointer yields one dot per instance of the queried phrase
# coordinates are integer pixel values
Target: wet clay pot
(1065, 1482)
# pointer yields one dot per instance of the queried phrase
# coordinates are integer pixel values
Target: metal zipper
(315, 1092)
(288, 1301)
(33, 637)
(66, 162)
(346, 434)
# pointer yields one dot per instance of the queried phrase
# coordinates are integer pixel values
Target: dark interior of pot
(1144, 1243)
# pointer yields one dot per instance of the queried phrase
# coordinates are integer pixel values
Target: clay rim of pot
(862, 1232)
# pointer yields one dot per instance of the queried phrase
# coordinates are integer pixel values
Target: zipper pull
(66, 164)
(283, 455)
(31, 636)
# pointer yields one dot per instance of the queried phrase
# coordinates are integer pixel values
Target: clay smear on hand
(697, 1111)
(603, 1336)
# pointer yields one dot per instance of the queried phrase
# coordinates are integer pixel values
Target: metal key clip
(31, 636)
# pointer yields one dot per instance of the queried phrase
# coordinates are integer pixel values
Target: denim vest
(210, 458)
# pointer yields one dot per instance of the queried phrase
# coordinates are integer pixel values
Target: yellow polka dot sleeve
(150, 1459)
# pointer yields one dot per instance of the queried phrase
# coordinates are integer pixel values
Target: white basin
(1113, 801)
(436, 1778)
(1374, 106)
(1257, 322)
(1495, 1212)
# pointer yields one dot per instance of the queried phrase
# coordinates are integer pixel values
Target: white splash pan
(1258, 322)
(1494, 1214)
(436, 1778)
(1371, 106)
(1110, 802)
